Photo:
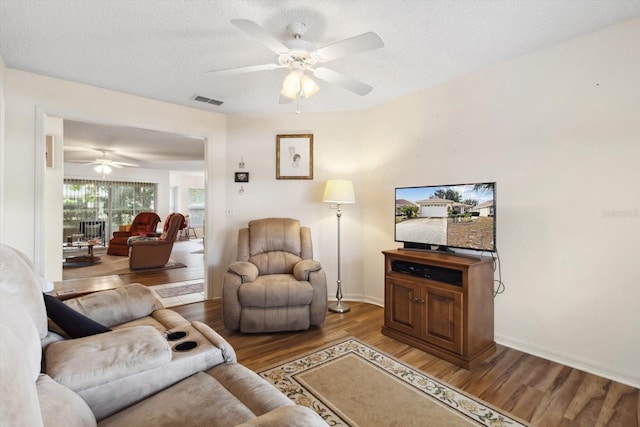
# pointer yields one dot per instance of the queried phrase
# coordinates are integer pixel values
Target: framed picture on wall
(294, 156)
(242, 176)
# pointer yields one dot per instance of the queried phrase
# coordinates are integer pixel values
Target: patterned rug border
(282, 376)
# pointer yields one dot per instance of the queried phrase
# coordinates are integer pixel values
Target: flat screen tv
(447, 216)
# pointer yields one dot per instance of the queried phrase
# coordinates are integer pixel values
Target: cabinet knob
(415, 299)
(422, 301)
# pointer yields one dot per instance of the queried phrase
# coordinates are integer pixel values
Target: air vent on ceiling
(207, 100)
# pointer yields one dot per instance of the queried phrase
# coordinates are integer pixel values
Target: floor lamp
(339, 191)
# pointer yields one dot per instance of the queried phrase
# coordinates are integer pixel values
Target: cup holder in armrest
(174, 336)
(185, 346)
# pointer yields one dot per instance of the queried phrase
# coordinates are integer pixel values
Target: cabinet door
(442, 318)
(402, 310)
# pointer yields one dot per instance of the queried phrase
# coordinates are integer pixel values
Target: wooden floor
(538, 391)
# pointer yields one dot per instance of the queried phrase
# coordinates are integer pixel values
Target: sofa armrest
(95, 360)
(247, 271)
(290, 416)
(302, 269)
(116, 306)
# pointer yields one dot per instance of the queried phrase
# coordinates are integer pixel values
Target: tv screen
(448, 216)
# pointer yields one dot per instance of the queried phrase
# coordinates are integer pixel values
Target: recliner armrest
(302, 269)
(247, 271)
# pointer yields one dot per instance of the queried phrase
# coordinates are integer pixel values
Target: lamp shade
(339, 191)
(291, 85)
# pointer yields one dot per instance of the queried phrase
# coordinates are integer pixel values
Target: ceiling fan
(302, 57)
(105, 165)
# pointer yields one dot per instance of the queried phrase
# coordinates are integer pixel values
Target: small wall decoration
(49, 147)
(294, 156)
(242, 176)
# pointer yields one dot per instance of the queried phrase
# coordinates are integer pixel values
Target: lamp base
(339, 307)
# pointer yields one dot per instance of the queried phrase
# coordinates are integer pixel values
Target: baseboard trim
(569, 360)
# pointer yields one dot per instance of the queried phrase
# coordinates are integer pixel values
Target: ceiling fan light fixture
(291, 85)
(298, 84)
(308, 86)
(103, 169)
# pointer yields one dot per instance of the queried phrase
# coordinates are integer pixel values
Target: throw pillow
(74, 324)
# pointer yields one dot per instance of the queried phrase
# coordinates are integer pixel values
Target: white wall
(559, 130)
(52, 202)
(30, 98)
(2, 148)
(337, 145)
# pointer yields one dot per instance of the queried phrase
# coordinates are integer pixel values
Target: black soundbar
(440, 274)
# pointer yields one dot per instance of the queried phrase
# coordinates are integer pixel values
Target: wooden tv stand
(440, 303)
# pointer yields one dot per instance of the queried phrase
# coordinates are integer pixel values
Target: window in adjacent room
(96, 206)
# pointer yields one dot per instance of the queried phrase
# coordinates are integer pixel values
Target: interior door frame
(40, 157)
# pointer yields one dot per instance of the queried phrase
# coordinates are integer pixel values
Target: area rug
(176, 291)
(167, 266)
(110, 264)
(353, 384)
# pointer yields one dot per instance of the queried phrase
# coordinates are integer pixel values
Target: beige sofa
(131, 375)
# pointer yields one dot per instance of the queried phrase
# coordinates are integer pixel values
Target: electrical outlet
(230, 212)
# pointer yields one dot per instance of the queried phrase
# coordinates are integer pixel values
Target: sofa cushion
(210, 351)
(90, 361)
(290, 416)
(199, 400)
(275, 290)
(20, 354)
(247, 386)
(60, 407)
(225, 396)
(19, 278)
(74, 324)
(116, 306)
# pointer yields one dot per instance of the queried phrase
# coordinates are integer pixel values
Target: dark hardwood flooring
(536, 390)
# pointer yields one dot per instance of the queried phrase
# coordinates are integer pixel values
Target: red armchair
(144, 222)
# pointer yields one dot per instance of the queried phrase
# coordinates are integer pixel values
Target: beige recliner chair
(275, 285)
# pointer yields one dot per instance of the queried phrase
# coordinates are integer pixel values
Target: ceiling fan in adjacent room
(103, 165)
(302, 57)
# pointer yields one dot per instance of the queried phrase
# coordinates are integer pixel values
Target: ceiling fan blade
(70, 148)
(341, 80)
(242, 70)
(123, 164)
(357, 44)
(260, 34)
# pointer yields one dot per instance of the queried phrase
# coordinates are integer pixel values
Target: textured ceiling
(160, 49)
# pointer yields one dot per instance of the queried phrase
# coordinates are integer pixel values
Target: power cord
(496, 265)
